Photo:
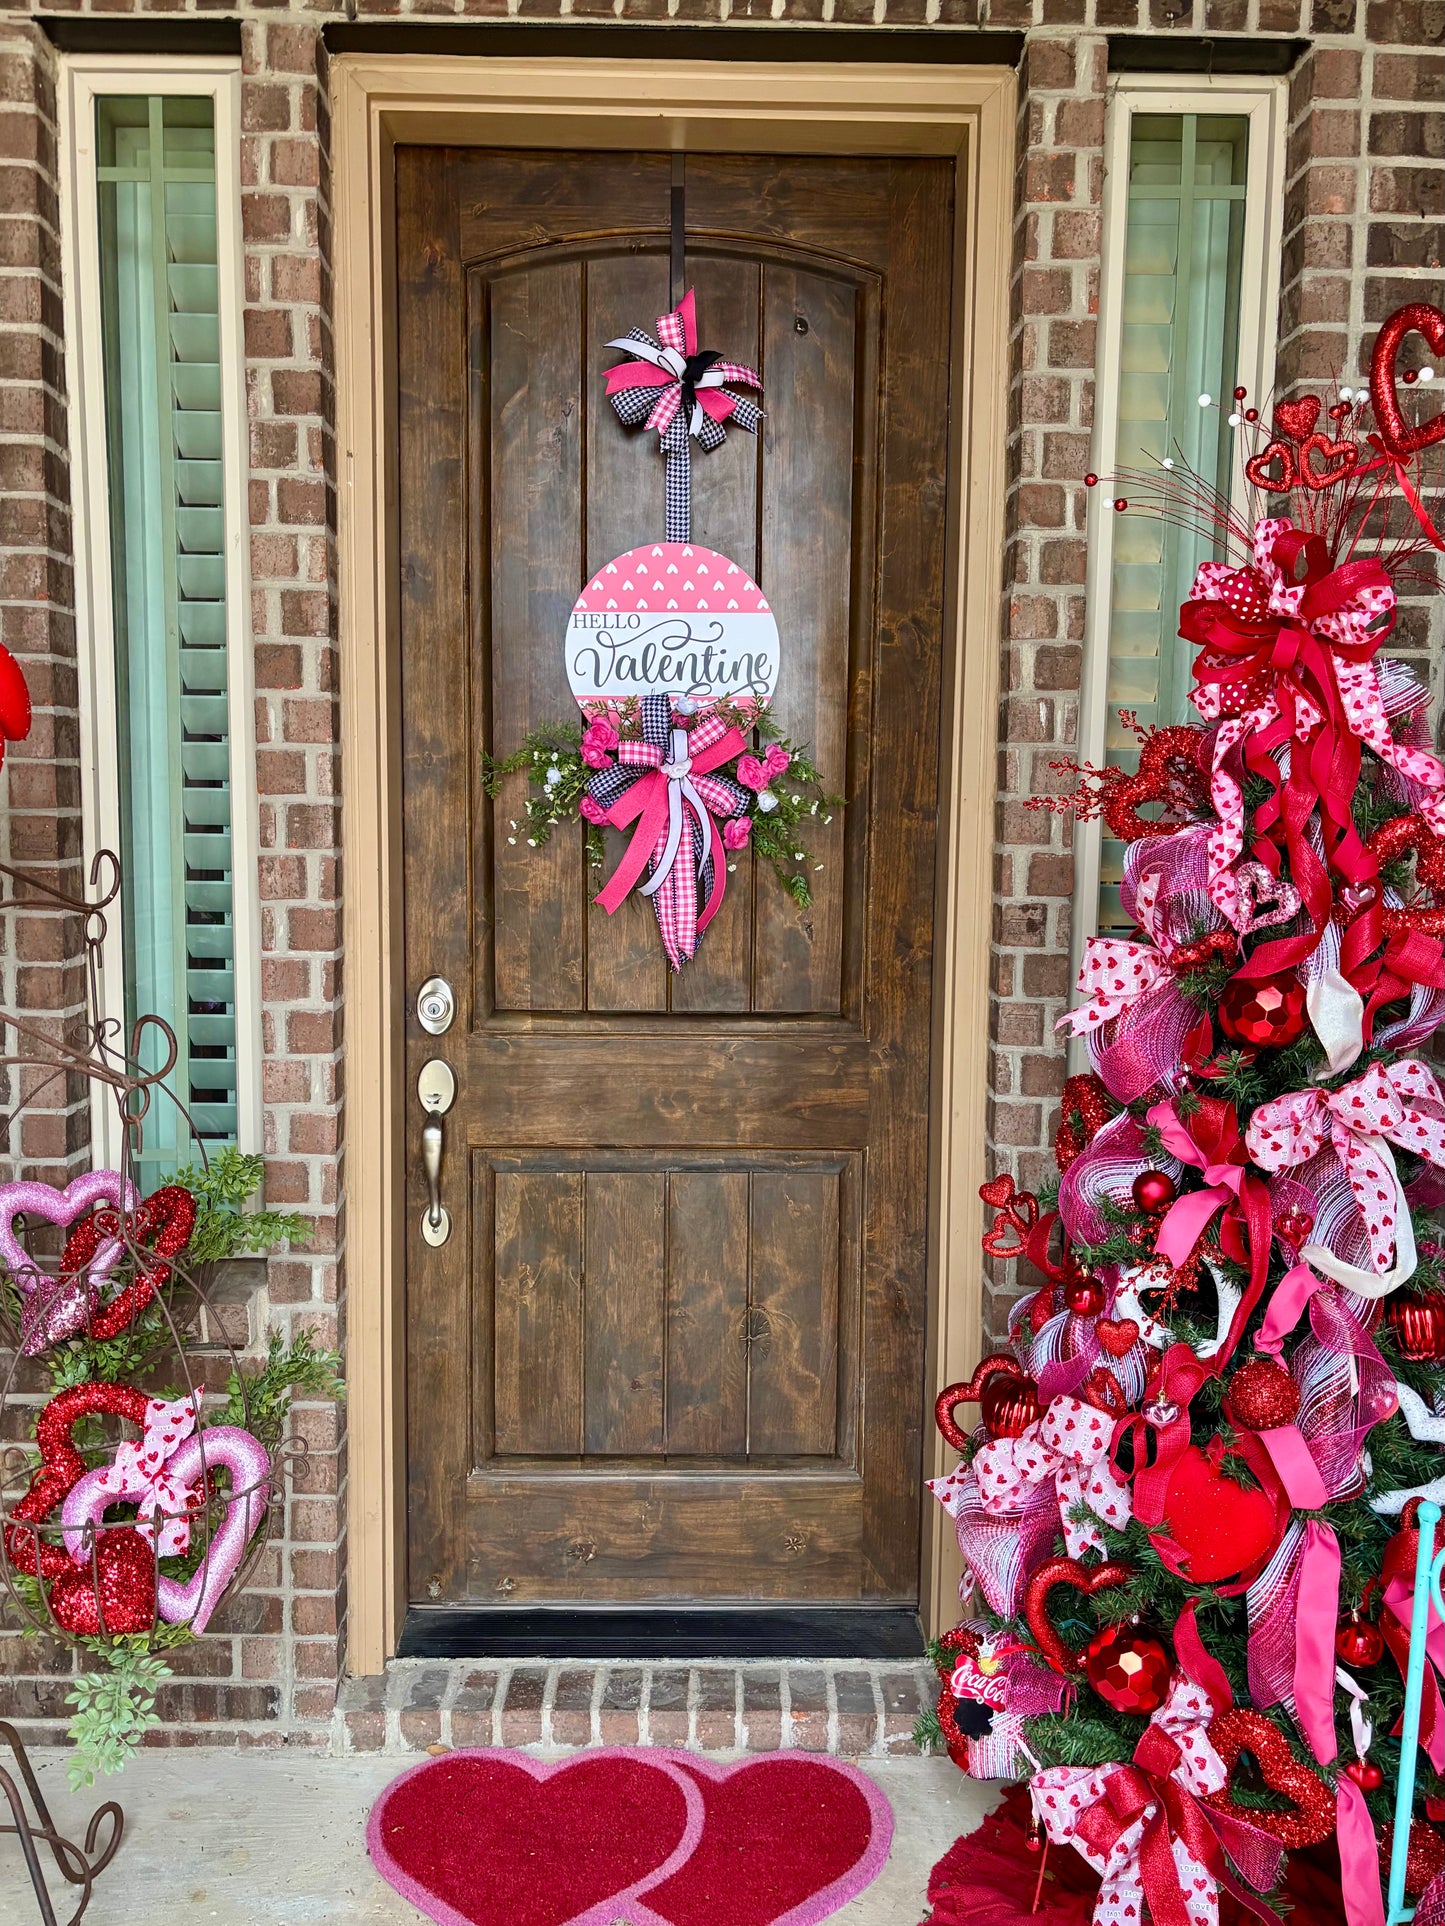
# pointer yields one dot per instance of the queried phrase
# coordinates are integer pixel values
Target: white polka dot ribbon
(1070, 1444)
(1398, 1103)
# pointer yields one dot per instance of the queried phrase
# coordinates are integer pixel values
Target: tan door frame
(817, 108)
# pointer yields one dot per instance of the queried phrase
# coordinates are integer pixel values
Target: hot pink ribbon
(137, 1475)
(1359, 1855)
(1293, 1613)
(1228, 1181)
(1070, 1444)
(1400, 1102)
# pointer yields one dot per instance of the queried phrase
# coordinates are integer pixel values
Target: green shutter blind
(161, 340)
(1178, 339)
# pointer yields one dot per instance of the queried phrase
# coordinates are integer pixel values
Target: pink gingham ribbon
(1399, 1103)
(137, 1475)
(1070, 1444)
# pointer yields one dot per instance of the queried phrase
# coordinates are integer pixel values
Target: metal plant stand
(79, 1868)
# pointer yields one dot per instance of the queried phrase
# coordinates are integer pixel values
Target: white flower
(814, 810)
(531, 842)
(797, 799)
(513, 841)
(732, 869)
(767, 802)
(552, 777)
(799, 855)
(817, 866)
(827, 819)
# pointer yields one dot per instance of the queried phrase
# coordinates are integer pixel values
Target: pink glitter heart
(55, 1308)
(223, 1446)
(1270, 898)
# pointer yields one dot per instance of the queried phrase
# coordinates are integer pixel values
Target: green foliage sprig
(261, 1400)
(115, 1707)
(224, 1227)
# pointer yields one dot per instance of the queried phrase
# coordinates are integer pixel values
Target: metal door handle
(437, 1089)
(431, 1158)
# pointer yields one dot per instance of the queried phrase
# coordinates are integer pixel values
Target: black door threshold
(848, 1632)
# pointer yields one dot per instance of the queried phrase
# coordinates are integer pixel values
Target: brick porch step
(846, 1707)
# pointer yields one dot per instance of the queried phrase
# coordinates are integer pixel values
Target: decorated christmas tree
(1186, 1511)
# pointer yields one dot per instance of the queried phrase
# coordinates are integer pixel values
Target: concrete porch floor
(249, 1838)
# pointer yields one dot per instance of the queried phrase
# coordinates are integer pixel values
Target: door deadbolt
(435, 1006)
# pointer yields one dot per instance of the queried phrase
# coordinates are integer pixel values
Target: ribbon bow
(1398, 1103)
(1115, 975)
(137, 1475)
(1070, 1444)
(673, 388)
(664, 778)
(1141, 1825)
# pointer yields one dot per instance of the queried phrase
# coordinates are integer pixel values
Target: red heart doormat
(637, 1835)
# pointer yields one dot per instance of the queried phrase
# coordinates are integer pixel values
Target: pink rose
(736, 831)
(600, 734)
(591, 811)
(776, 760)
(594, 755)
(751, 773)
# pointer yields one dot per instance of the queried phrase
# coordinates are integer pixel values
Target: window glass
(1179, 339)
(160, 335)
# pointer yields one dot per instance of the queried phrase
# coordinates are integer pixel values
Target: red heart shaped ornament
(61, 1467)
(999, 1381)
(1214, 1527)
(1257, 468)
(1118, 1336)
(1398, 437)
(1296, 418)
(1344, 454)
(1087, 1579)
(1313, 1819)
(113, 1594)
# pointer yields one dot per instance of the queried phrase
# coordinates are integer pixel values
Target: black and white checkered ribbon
(670, 386)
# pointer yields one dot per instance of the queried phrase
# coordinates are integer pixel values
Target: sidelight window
(1190, 289)
(153, 290)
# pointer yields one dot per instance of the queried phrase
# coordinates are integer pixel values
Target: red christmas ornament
(1424, 1858)
(1240, 393)
(1215, 1527)
(1357, 1641)
(1398, 437)
(1313, 1819)
(1262, 1396)
(1087, 1579)
(1084, 1295)
(1154, 1190)
(1293, 1227)
(1267, 1014)
(1366, 1776)
(1091, 480)
(1417, 1319)
(1257, 468)
(1169, 772)
(1128, 1671)
(1007, 1397)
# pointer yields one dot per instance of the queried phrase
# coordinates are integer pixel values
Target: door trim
(845, 109)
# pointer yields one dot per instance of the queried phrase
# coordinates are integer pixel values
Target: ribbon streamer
(137, 1475)
(666, 780)
(670, 386)
(1070, 1445)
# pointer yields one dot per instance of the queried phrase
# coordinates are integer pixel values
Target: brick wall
(1366, 193)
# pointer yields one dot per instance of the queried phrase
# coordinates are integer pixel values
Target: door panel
(673, 1349)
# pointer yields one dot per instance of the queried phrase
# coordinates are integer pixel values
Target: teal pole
(1429, 1517)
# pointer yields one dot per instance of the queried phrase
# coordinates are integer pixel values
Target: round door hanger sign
(674, 619)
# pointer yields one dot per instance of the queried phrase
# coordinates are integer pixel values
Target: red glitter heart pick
(1000, 1365)
(1297, 418)
(998, 1192)
(162, 1225)
(61, 1467)
(1345, 455)
(1257, 468)
(1078, 1577)
(1117, 1335)
(1397, 436)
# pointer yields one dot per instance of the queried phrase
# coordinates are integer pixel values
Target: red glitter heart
(1297, 418)
(1257, 468)
(1397, 436)
(117, 1596)
(1345, 455)
(162, 1225)
(1117, 1336)
(1079, 1578)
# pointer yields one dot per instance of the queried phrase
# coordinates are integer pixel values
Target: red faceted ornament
(1417, 1319)
(1293, 1227)
(1365, 1775)
(1084, 1294)
(1154, 1190)
(1357, 1641)
(1262, 1396)
(1267, 1014)
(1128, 1671)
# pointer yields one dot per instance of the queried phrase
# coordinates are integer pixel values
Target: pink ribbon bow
(1398, 1103)
(1070, 1444)
(1140, 1824)
(676, 800)
(671, 365)
(137, 1475)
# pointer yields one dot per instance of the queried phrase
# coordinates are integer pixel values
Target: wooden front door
(674, 1346)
